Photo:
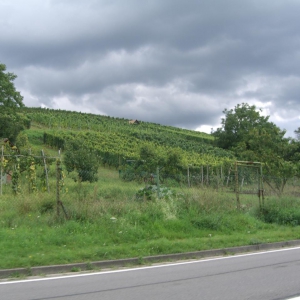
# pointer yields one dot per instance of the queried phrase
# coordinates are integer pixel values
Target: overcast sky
(173, 62)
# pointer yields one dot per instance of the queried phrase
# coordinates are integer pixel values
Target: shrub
(281, 211)
(151, 192)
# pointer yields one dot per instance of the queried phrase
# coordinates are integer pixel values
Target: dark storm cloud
(170, 62)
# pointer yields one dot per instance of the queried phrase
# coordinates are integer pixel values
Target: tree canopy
(10, 98)
(82, 160)
(11, 123)
(239, 123)
(297, 133)
(253, 137)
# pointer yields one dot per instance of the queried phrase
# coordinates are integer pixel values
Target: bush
(83, 160)
(150, 193)
(281, 211)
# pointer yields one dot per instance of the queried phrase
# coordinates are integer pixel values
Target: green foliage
(253, 138)
(10, 99)
(150, 192)
(297, 133)
(116, 141)
(81, 159)
(106, 222)
(47, 206)
(285, 211)
(16, 176)
(31, 175)
(238, 123)
(11, 125)
(22, 141)
(10, 122)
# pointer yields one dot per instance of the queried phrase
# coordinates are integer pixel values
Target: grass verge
(107, 221)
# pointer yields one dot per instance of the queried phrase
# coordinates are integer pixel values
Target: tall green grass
(106, 221)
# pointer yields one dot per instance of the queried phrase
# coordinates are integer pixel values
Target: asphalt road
(266, 275)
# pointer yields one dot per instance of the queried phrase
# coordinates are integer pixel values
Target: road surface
(272, 275)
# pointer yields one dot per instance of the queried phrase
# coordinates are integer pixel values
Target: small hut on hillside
(134, 122)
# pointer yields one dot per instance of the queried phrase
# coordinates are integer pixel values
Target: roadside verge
(56, 269)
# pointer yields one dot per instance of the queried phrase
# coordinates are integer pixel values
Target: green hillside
(116, 138)
(52, 216)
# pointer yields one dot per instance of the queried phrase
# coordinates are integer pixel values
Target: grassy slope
(106, 222)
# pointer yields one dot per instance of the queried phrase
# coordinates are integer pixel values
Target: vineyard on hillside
(142, 152)
(115, 140)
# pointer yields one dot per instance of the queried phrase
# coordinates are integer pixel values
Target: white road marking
(150, 267)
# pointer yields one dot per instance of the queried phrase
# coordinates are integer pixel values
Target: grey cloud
(128, 58)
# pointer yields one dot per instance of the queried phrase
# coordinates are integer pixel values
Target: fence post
(2, 159)
(261, 187)
(207, 175)
(237, 186)
(46, 171)
(228, 177)
(58, 174)
(157, 182)
(222, 177)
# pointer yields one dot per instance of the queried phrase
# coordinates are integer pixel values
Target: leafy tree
(81, 159)
(174, 161)
(151, 158)
(252, 137)
(10, 100)
(297, 133)
(276, 152)
(237, 125)
(145, 166)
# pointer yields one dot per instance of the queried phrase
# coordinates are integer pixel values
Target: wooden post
(217, 177)
(119, 166)
(228, 177)
(207, 175)
(238, 204)
(261, 197)
(258, 187)
(222, 179)
(188, 176)
(58, 174)
(157, 182)
(46, 171)
(262, 185)
(2, 159)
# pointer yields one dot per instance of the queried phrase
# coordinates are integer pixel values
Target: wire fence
(242, 180)
(27, 174)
